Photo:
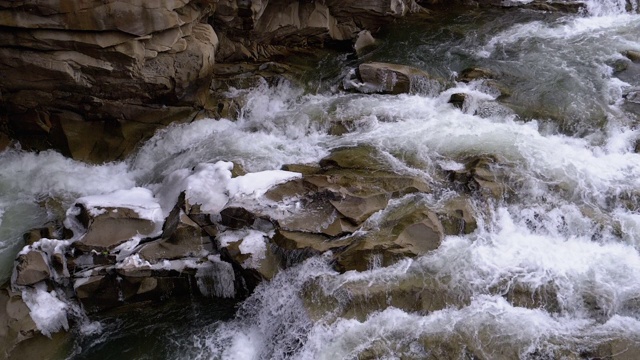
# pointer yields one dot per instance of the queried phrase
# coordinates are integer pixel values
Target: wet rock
(110, 228)
(358, 299)
(457, 217)
(358, 209)
(301, 168)
(458, 99)
(31, 268)
(404, 231)
(250, 251)
(544, 296)
(97, 292)
(363, 183)
(181, 238)
(5, 141)
(263, 29)
(480, 175)
(391, 78)
(34, 235)
(360, 157)
(475, 73)
(16, 324)
(632, 55)
(552, 6)
(297, 240)
(237, 218)
(624, 348)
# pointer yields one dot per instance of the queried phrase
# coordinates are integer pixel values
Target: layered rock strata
(93, 78)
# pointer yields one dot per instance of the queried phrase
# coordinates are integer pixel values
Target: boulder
(358, 299)
(475, 73)
(406, 230)
(458, 99)
(484, 176)
(359, 157)
(182, 237)
(632, 55)
(111, 227)
(186, 240)
(31, 268)
(358, 209)
(388, 78)
(297, 240)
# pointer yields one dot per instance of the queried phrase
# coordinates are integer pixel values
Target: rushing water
(564, 134)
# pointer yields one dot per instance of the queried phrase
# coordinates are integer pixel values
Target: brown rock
(633, 55)
(111, 228)
(406, 230)
(458, 99)
(296, 240)
(358, 209)
(475, 73)
(391, 78)
(31, 268)
(94, 78)
(184, 239)
(237, 218)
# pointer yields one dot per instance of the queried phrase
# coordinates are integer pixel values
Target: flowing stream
(565, 135)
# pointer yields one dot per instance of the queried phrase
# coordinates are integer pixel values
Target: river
(565, 134)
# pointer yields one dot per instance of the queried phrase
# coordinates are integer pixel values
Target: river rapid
(565, 134)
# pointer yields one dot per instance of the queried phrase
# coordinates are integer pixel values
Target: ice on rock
(212, 186)
(46, 309)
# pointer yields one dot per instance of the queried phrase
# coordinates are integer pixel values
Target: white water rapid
(571, 231)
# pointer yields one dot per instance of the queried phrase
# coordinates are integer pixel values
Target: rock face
(90, 77)
(260, 29)
(94, 78)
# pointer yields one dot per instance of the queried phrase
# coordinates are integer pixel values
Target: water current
(565, 135)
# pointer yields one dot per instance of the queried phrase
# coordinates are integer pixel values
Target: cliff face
(92, 78)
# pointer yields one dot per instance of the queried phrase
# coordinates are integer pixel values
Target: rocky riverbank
(93, 89)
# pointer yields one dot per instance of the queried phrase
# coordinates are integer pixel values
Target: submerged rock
(475, 73)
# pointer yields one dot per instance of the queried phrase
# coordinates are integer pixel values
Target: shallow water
(562, 135)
